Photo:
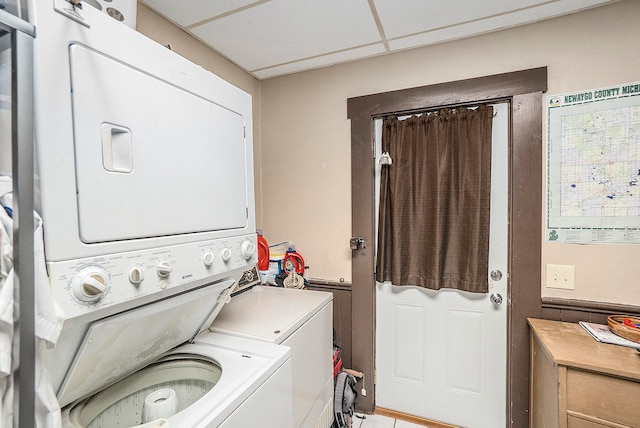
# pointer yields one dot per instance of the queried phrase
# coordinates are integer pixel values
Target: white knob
(163, 269)
(225, 254)
(90, 284)
(136, 274)
(208, 259)
(247, 248)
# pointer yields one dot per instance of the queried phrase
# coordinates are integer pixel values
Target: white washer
(302, 320)
(124, 360)
(218, 381)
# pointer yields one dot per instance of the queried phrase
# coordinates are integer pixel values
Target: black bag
(344, 400)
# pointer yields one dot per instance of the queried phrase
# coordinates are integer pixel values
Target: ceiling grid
(269, 38)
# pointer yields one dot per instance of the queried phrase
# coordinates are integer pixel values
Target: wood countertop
(569, 344)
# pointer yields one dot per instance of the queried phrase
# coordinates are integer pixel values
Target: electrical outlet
(561, 276)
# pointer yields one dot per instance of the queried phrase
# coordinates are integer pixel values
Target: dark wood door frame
(524, 91)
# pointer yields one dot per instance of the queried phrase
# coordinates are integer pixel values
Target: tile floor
(377, 421)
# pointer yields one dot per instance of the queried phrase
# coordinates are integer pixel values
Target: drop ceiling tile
(274, 37)
(281, 31)
(322, 61)
(495, 23)
(185, 13)
(414, 16)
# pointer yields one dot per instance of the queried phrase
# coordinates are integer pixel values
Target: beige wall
(162, 31)
(306, 135)
(302, 135)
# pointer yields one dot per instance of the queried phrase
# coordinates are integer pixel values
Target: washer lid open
(117, 346)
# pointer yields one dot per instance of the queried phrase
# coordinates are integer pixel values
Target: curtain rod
(435, 109)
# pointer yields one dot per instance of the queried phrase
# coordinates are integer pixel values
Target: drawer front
(603, 397)
(573, 422)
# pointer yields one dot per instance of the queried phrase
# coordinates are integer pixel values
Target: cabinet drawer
(573, 422)
(603, 397)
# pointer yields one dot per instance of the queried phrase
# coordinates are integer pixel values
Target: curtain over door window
(435, 200)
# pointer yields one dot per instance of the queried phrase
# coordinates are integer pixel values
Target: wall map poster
(593, 166)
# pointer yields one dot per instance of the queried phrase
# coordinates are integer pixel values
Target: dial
(90, 284)
(163, 269)
(225, 254)
(247, 248)
(136, 275)
(207, 259)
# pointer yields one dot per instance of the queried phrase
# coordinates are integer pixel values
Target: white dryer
(302, 320)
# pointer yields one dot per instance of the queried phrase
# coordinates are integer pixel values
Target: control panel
(130, 279)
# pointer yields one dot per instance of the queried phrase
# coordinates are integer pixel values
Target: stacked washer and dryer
(145, 174)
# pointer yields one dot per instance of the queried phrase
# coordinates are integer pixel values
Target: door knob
(496, 275)
(496, 299)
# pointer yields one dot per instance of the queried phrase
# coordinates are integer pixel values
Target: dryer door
(152, 159)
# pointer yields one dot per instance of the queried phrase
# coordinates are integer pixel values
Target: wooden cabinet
(577, 382)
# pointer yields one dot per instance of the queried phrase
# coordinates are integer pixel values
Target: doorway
(440, 351)
(523, 89)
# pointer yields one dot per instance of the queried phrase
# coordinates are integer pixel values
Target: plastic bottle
(293, 261)
(263, 253)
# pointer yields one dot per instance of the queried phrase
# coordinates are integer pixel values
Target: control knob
(247, 248)
(207, 259)
(90, 284)
(136, 274)
(163, 269)
(225, 254)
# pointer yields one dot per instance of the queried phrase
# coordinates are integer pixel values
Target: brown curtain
(433, 228)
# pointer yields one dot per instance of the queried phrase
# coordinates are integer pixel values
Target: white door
(441, 355)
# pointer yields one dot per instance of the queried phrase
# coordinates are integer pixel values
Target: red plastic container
(293, 261)
(263, 253)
